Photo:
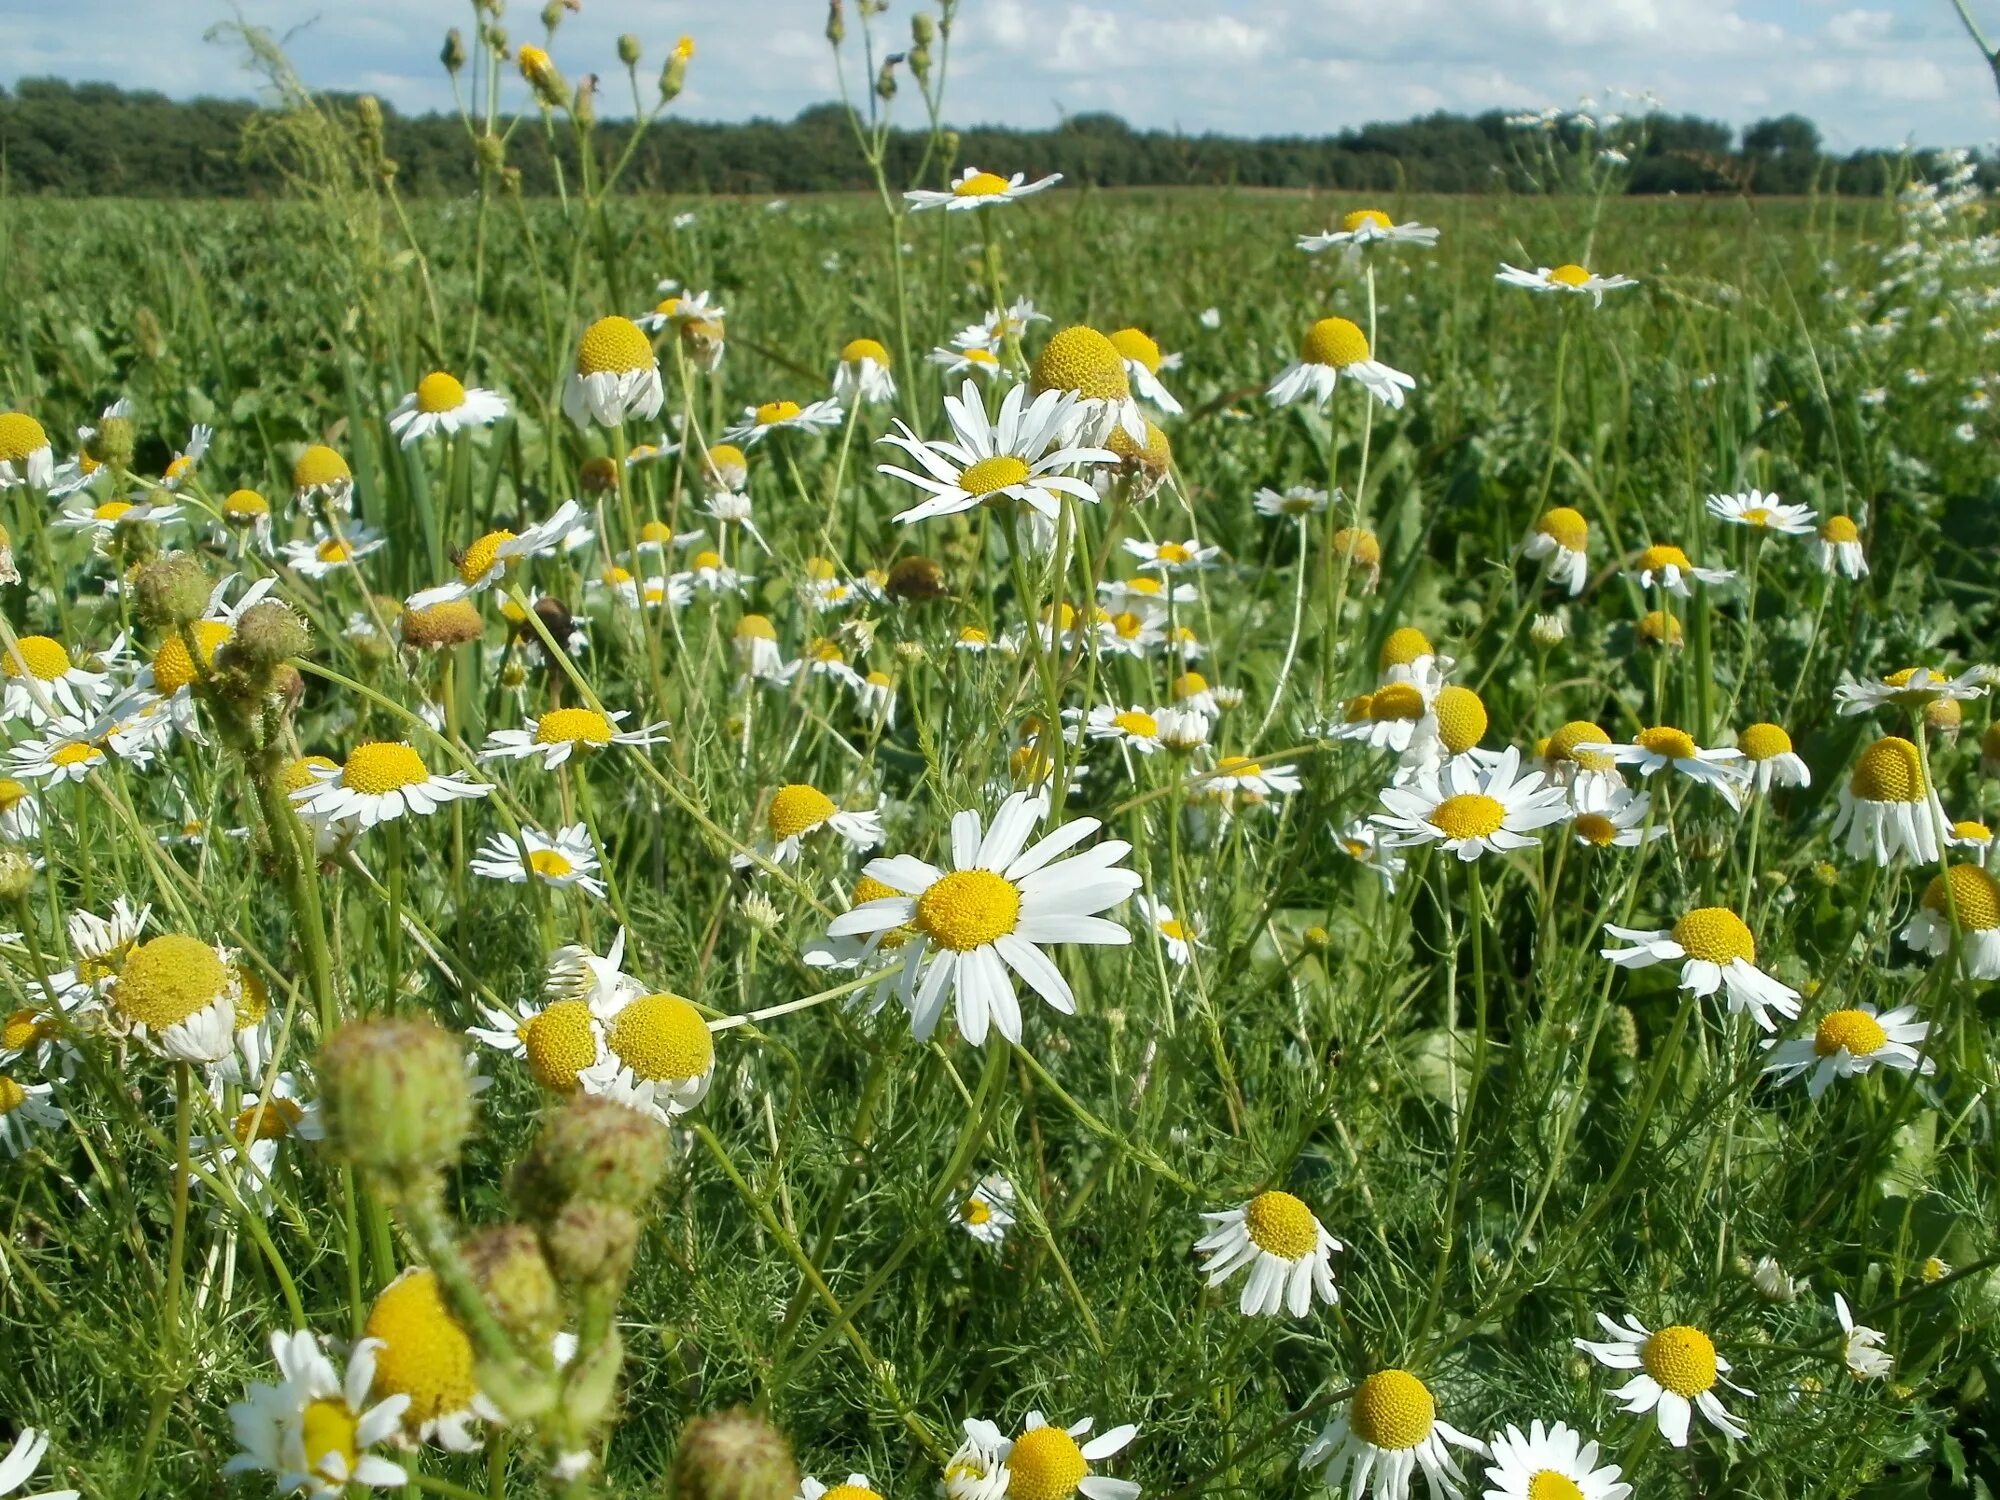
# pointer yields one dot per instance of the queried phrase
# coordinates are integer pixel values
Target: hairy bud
(734, 1455)
(269, 633)
(172, 590)
(628, 50)
(395, 1097)
(506, 1261)
(592, 1244)
(593, 1149)
(17, 873)
(453, 55)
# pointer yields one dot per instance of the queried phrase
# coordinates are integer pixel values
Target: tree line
(97, 140)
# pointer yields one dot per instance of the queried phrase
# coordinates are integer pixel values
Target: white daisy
(440, 403)
(862, 373)
(1332, 348)
(1766, 512)
(562, 732)
(562, 860)
(1839, 547)
(1887, 807)
(20, 1463)
(43, 681)
(1911, 688)
(679, 308)
(1283, 1246)
(1021, 455)
(1770, 759)
(1549, 1462)
(759, 422)
(489, 559)
(1366, 227)
(1678, 1372)
(69, 749)
(25, 454)
(1847, 1043)
(1362, 842)
(102, 519)
(1295, 502)
(1143, 363)
(987, 1212)
(1389, 1430)
(1716, 952)
(854, 1487)
(329, 551)
(1860, 1346)
(24, 1108)
(1562, 536)
(381, 781)
(659, 1053)
(1975, 897)
(1048, 1460)
(1565, 278)
(1669, 567)
(615, 376)
(1472, 810)
(1172, 557)
(1135, 727)
(973, 188)
(1240, 773)
(1611, 818)
(1663, 746)
(977, 361)
(313, 1431)
(1178, 936)
(797, 811)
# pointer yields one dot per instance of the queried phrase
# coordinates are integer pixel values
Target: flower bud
(17, 873)
(1548, 631)
(172, 590)
(593, 1149)
(395, 1097)
(922, 28)
(916, 580)
(592, 1244)
(456, 622)
(836, 23)
(885, 80)
(492, 152)
(674, 75)
(552, 15)
(116, 438)
(759, 912)
(506, 1261)
(453, 55)
(628, 50)
(269, 633)
(734, 1455)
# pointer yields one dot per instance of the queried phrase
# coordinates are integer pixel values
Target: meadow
(547, 896)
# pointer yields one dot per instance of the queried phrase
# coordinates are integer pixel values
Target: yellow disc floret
(319, 467)
(798, 809)
(1461, 718)
(1852, 1031)
(20, 436)
(1890, 770)
(1548, 1484)
(1680, 1358)
(244, 506)
(1470, 815)
(771, 412)
(304, 771)
(1333, 341)
(856, 350)
(559, 1043)
(1138, 347)
(12, 1096)
(1083, 360)
(1658, 628)
(1570, 275)
(173, 667)
(1838, 529)
(1392, 1409)
(425, 1354)
(327, 1431)
(613, 346)
(1664, 739)
(1397, 701)
(1975, 896)
(383, 766)
(1659, 557)
(1404, 645)
(1136, 722)
(968, 909)
(991, 474)
(477, 560)
(439, 392)
(168, 979)
(1764, 742)
(1565, 528)
(44, 656)
(1715, 935)
(662, 1038)
(1366, 218)
(1594, 828)
(1281, 1225)
(1046, 1464)
(980, 185)
(573, 726)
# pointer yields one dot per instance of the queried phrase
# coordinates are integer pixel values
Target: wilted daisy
(489, 559)
(1332, 348)
(178, 996)
(1612, 818)
(1913, 688)
(1716, 952)
(1768, 755)
(563, 732)
(381, 781)
(40, 680)
(1021, 455)
(1563, 537)
(1564, 278)
(759, 422)
(987, 1212)
(755, 640)
(1975, 898)
(1847, 1043)
(25, 454)
(863, 373)
(1283, 1246)
(615, 375)
(1295, 502)
(562, 860)
(1549, 1464)
(1361, 841)
(1664, 747)
(1669, 567)
(1365, 227)
(796, 812)
(1388, 1432)
(563, 1039)
(328, 551)
(24, 1109)
(1143, 363)
(314, 1430)
(1048, 1462)
(319, 474)
(660, 1054)
(1678, 1372)
(1860, 1346)
(1765, 512)
(1471, 810)
(1840, 547)
(1888, 807)
(973, 188)
(988, 913)
(441, 403)
(1178, 936)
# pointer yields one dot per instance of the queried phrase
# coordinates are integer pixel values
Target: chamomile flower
(563, 1039)
(177, 995)
(1407, 655)
(99, 947)
(248, 1150)
(854, 1487)
(442, 403)
(563, 732)
(1144, 591)
(1252, 778)
(24, 1109)
(20, 811)
(246, 518)
(1084, 364)
(862, 373)
(1550, 1464)
(1664, 747)
(1283, 1246)
(1668, 566)
(101, 520)
(1678, 1372)
(1770, 759)
(1470, 810)
(1361, 841)
(423, 1353)
(975, 361)
(707, 573)
(1178, 936)
(1172, 557)
(1716, 951)
(755, 640)
(798, 811)
(1364, 228)
(1573, 279)
(1764, 512)
(19, 1464)
(40, 680)
(615, 376)
(1912, 688)
(328, 551)
(1840, 547)
(25, 455)
(69, 749)
(314, 1431)
(1049, 1463)
(1389, 1430)
(987, 1212)
(1001, 324)
(678, 309)
(321, 477)
(1888, 807)
(565, 859)
(759, 422)
(989, 913)
(1612, 819)
(1295, 502)
(1860, 1346)
(1332, 348)
(1562, 537)
(1134, 727)
(381, 781)
(1143, 363)
(973, 188)
(1386, 719)
(1022, 455)
(1974, 897)
(490, 558)
(660, 1054)
(1453, 724)
(1847, 1043)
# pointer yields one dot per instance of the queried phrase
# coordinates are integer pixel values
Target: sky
(1876, 73)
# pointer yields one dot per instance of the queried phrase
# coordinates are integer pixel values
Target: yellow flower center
(1853, 1031)
(1083, 360)
(1461, 718)
(756, 628)
(77, 753)
(1173, 552)
(1333, 341)
(1189, 685)
(425, 1354)
(12, 793)
(662, 1038)
(976, 1211)
(1238, 765)
(168, 979)
(1392, 1409)
(1839, 529)
(173, 667)
(534, 62)
(1965, 828)
(979, 357)
(1397, 701)
(1664, 739)
(707, 561)
(1890, 770)
(383, 766)
(12, 1096)
(980, 185)
(245, 505)
(1153, 454)
(333, 551)
(559, 1044)
(20, 435)
(613, 346)
(1974, 894)
(1137, 723)
(968, 909)
(850, 1492)
(253, 997)
(1137, 347)
(1757, 515)
(328, 1431)
(1659, 628)
(990, 474)
(825, 648)
(320, 466)
(112, 511)
(798, 809)
(1404, 645)
(1570, 275)
(1680, 1358)
(1716, 935)
(1046, 1464)
(1358, 544)
(46, 659)
(852, 353)
(573, 726)
(300, 773)
(1566, 528)
(1659, 556)
(477, 560)
(1366, 218)
(1547, 1484)
(1764, 741)
(439, 392)
(550, 864)
(272, 1120)
(20, 1031)
(1595, 828)
(1470, 815)
(1281, 1225)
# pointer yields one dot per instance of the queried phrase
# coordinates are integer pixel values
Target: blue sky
(1872, 72)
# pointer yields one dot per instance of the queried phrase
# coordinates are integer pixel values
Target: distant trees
(81, 140)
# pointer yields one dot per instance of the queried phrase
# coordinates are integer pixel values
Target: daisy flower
(25, 455)
(1471, 811)
(1767, 751)
(248, 1149)
(1716, 952)
(1664, 747)
(797, 811)
(69, 750)
(1549, 1464)
(489, 559)
(1861, 1346)
(1180, 938)
(1974, 896)
(759, 422)
(1669, 567)
(854, 1487)
(1386, 719)
(1172, 557)
(320, 475)
(973, 188)
(1365, 227)
(24, 1108)
(1888, 808)
(1562, 536)
(99, 947)
(1283, 1246)
(1914, 688)
(976, 361)
(879, 952)
(178, 996)
(1765, 512)
(102, 519)
(562, 860)
(1087, 366)
(875, 699)
(1001, 324)
(707, 573)
(563, 1039)
(1678, 1372)
(1021, 455)
(381, 781)
(246, 515)
(1362, 842)
(615, 376)
(1135, 727)
(1295, 502)
(40, 681)
(562, 732)
(1573, 279)
(1840, 547)
(1143, 363)
(20, 811)
(1453, 724)
(680, 308)
(1144, 591)
(989, 913)
(863, 373)
(1389, 1430)
(329, 551)
(1239, 773)
(660, 1055)
(1847, 1043)
(987, 1212)
(425, 1355)
(18, 1464)
(1407, 655)
(441, 403)
(755, 641)
(1608, 819)
(313, 1431)
(1331, 348)
(1048, 1462)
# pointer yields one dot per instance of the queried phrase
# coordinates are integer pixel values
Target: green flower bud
(628, 50)
(922, 28)
(172, 590)
(592, 1244)
(836, 23)
(270, 632)
(593, 1149)
(395, 1097)
(552, 15)
(17, 873)
(453, 55)
(734, 1455)
(115, 436)
(506, 1261)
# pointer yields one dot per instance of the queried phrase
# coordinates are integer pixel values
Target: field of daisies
(994, 841)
